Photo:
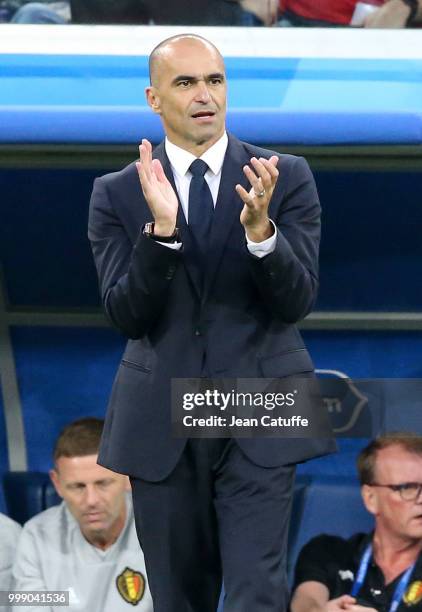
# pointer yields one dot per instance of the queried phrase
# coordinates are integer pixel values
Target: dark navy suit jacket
(242, 323)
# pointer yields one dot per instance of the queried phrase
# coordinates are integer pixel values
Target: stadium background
(72, 107)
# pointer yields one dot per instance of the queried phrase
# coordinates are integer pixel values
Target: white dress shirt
(180, 161)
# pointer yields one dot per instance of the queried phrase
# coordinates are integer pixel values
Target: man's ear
(56, 481)
(153, 99)
(370, 498)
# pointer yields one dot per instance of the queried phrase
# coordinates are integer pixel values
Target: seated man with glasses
(380, 571)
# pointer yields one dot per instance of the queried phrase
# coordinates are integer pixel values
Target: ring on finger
(260, 194)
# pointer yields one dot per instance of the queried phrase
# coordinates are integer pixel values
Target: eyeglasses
(409, 491)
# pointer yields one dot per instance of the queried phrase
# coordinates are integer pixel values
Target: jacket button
(197, 332)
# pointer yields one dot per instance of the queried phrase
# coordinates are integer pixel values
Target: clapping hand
(254, 215)
(158, 192)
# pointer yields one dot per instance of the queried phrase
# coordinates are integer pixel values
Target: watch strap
(148, 230)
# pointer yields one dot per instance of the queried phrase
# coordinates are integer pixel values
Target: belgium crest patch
(413, 594)
(131, 585)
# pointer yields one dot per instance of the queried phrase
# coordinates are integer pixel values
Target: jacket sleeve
(27, 569)
(288, 277)
(134, 278)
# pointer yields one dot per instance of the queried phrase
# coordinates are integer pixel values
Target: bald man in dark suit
(206, 285)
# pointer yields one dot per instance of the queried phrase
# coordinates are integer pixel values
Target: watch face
(149, 231)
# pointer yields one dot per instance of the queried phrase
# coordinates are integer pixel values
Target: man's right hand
(346, 602)
(158, 192)
(340, 603)
(312, 596)
(358, 608)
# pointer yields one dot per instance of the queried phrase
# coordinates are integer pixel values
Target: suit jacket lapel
(186, 236)
(228, 207)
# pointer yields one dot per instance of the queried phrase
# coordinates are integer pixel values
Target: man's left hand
(254, 215)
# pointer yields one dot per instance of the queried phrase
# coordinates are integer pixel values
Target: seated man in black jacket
(381, 571)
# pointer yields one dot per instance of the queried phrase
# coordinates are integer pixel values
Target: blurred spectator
(304, 13)
(8, 8)
(119, 12)
(43, 12)
(87, 545)
(396, 14)
(160, 12)
(259, 12)
(374, 13)
(382, 570)
(195, 12)
(9, 533)
(123, 12)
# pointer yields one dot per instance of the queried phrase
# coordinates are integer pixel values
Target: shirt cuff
(260, 249)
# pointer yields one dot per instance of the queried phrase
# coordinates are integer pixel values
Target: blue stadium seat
(331, 505)
(27, 494)
(323, 504)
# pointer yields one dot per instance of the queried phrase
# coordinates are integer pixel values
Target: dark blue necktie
(201, 206)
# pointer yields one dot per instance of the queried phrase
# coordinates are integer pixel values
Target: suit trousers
(217, 514)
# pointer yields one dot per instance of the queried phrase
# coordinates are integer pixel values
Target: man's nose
(91, 496)
(202, 93)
